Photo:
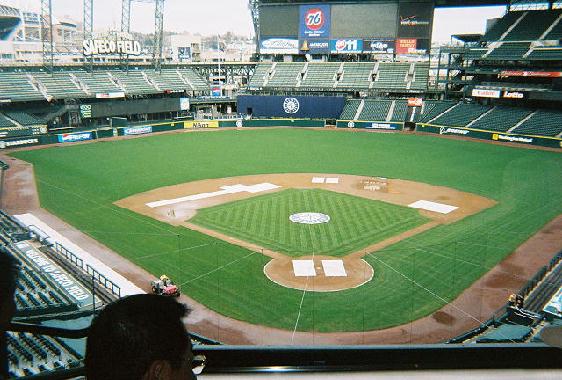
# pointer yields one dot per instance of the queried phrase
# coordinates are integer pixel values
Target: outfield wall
(550, 142)
(86, 135)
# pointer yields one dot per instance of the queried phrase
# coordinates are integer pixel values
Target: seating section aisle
(501, 119)
(431, 109)
(260, 74)
(320, 75)
(24, 118)
(375, 110)
(400, 110)
(97, 82)
(532, 26)
(356, 75)
(501, 26)
(286, 75)
(543, 122)
(16, 86)
(392, 75)
(197, 81)
(510, 51)
(350, 109)
(461, 115)
(36, 294)
(326, 76)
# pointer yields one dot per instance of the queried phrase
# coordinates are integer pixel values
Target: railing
(104, 281)
(88, 269)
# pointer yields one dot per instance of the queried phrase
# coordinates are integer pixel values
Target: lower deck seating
(375, 110)
(461, 115)
(350, 109)
(543, 122)
(431, 109)
(501, 119)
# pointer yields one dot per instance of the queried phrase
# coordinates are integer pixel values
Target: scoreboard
(399, 27)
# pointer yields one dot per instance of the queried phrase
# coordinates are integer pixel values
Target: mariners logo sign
(291, 105)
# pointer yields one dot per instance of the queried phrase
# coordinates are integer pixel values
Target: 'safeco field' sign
(96, 47)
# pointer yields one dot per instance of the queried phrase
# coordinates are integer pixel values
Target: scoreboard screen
(279, 21)
(402, 27)
(364, 20)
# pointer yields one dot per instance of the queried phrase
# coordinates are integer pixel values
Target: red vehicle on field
(165, 287)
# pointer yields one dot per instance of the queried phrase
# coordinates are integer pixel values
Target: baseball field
(217, 251)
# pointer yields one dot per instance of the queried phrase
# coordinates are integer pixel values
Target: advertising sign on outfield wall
(137, 130)
(74, 137)
(314, 21)
(493, 136)
(17, 143)
(196, 124)
(374, 125)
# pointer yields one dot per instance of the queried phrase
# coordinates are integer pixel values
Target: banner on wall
(279, 46)
(314, 21)
(486, 93)
(378, 46)
(346, 46)
(315, 46)
(406, 46)
(197, 124)
(74, 137)
(294, 107)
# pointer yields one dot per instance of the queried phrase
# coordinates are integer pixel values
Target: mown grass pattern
(354, 222)
(412, 278)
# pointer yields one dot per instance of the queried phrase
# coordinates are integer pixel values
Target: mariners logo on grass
(291, 105)
(309, 218)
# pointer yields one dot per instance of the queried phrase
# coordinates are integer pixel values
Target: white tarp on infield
(30, 220)
(334, 268)
(318, 179)
(433, 206)
(332, 180)
(304, 268)
(224, 190)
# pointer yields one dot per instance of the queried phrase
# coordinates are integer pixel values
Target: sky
(209, 17)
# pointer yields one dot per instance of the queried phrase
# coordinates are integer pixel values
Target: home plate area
(319, 273)
(331, 268)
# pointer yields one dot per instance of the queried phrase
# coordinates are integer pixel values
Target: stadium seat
(501, 119)
(542, 122)
(460, 115)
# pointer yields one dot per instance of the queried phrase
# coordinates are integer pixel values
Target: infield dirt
(279, 270)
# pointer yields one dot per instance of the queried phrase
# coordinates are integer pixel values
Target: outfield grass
(354, 222)
(412, 278)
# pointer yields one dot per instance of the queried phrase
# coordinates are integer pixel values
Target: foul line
(170, 252)
(299, 313)
(217, 269)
